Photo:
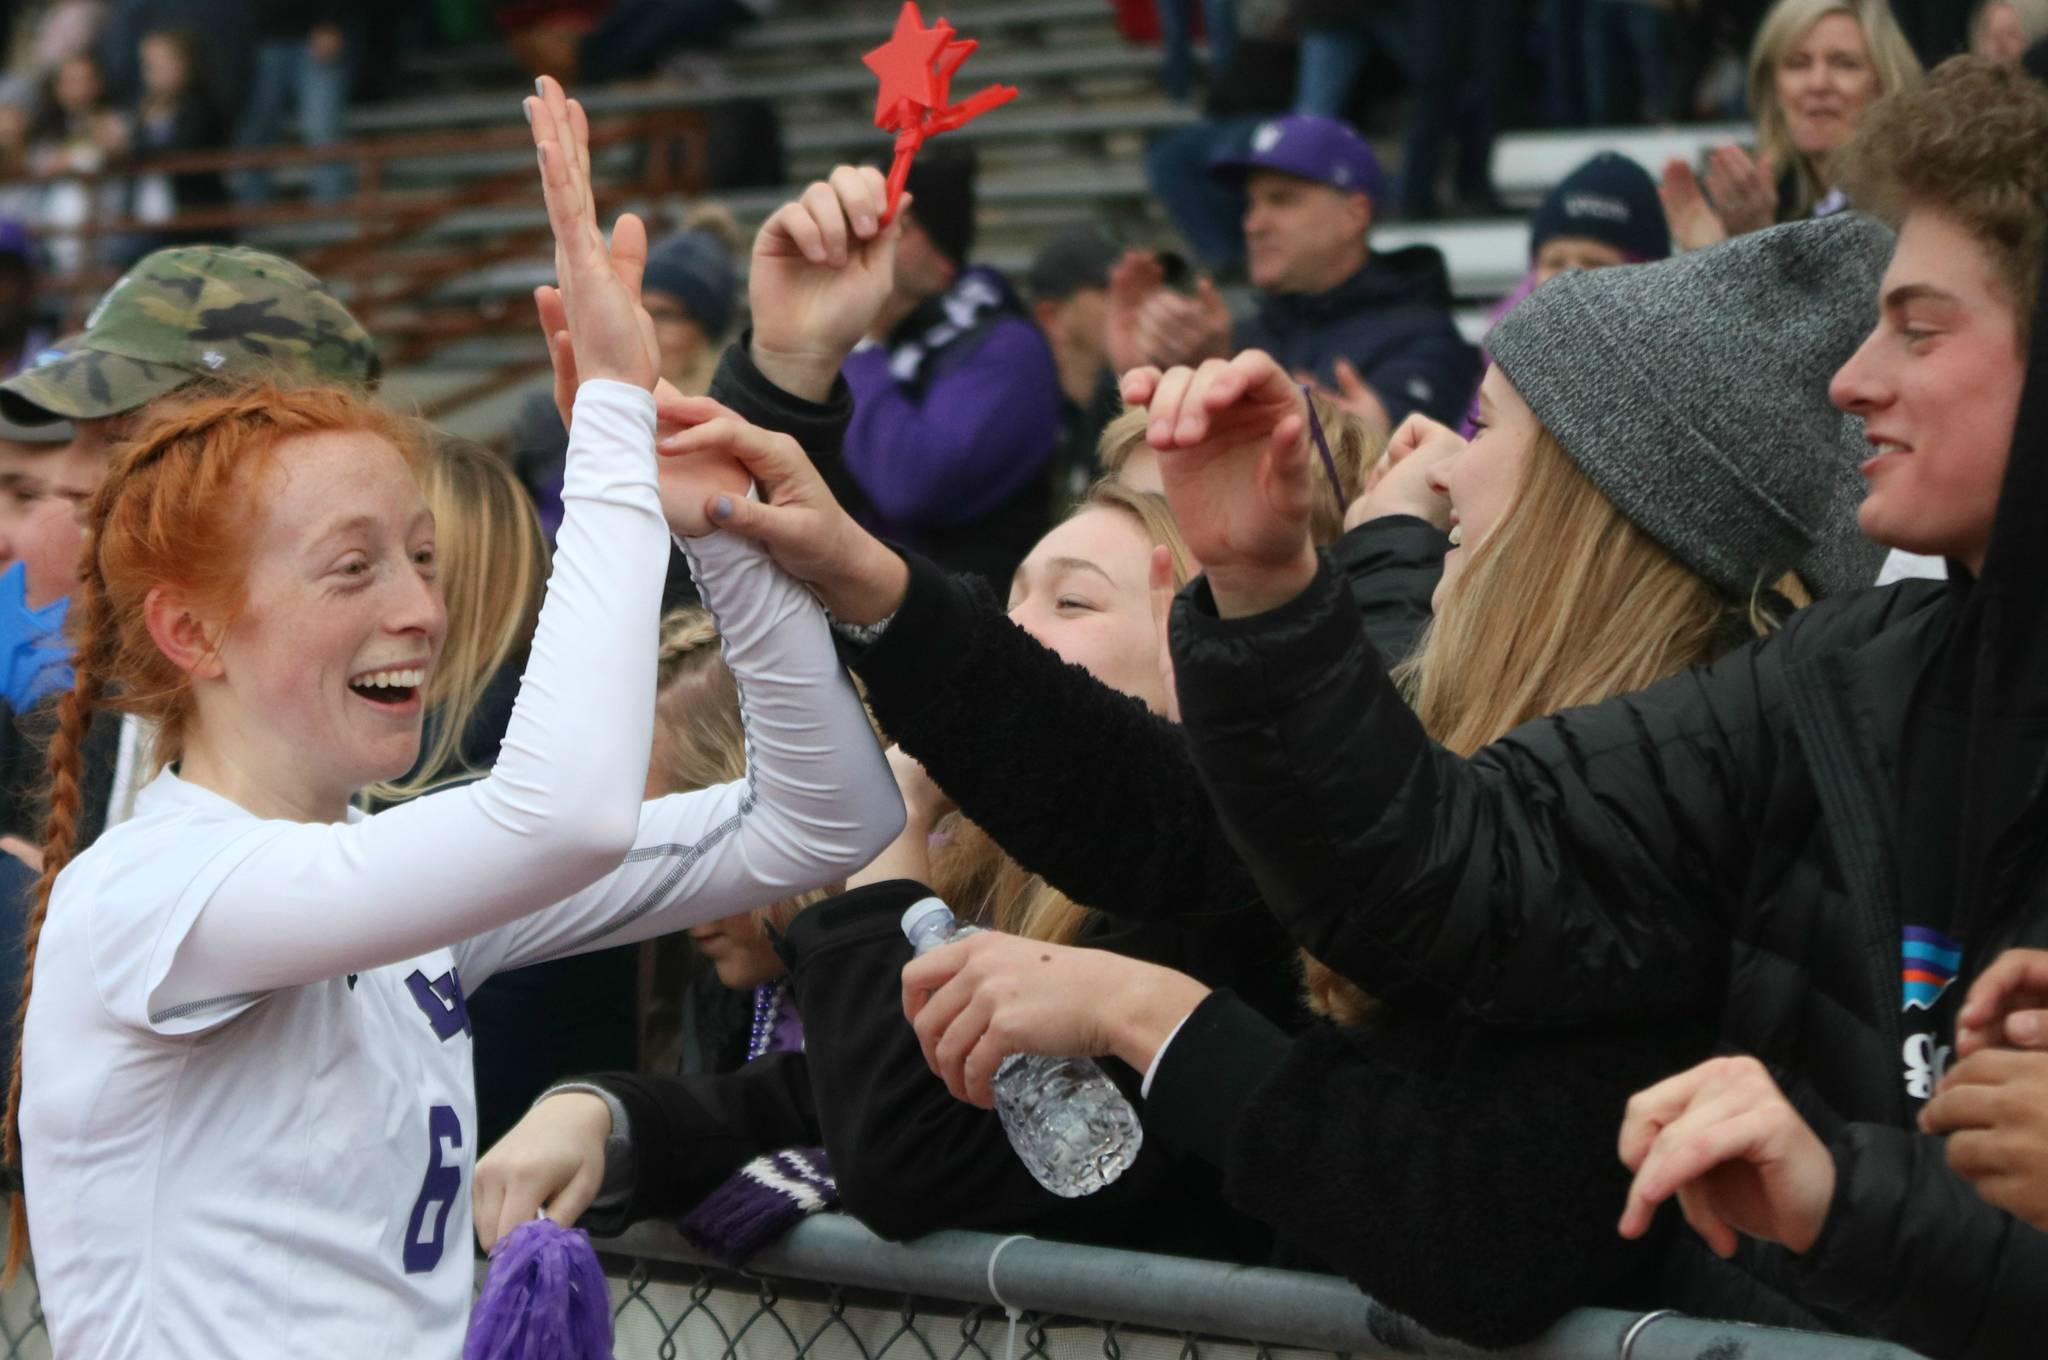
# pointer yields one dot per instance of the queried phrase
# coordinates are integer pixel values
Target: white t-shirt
(248, 1114)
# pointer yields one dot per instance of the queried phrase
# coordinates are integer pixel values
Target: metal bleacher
(1070, 149)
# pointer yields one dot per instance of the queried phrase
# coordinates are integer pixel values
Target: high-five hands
(823, 268)
(1233, 453)
(1743, 1163)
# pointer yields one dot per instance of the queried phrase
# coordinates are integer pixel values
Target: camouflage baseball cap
(192, 312)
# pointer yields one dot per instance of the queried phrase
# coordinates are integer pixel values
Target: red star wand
(916, 69)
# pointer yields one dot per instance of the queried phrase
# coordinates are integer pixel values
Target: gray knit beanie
(1694, 393)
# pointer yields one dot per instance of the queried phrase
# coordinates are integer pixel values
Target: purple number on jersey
(442, 1001)
(437, 1192)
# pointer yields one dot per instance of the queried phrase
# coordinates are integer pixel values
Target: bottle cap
(921, 913)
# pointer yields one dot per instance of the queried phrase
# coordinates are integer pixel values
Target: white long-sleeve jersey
(248, 1115)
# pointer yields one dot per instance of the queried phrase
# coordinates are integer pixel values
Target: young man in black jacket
(1805, 843)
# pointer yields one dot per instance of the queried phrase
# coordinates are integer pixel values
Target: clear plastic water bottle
(1069, 1123)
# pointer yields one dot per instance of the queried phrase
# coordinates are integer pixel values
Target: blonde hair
(493, 568)
(1354, 448)
(970, 872)
(700, 742)
(1564, 602)
(1891, 59)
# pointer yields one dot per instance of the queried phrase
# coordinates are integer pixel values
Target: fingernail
(865, 224)
(721, 509)
(526, 109)
(2025, 1026)
(540, 87)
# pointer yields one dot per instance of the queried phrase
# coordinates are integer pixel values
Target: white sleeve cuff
(1145, 1089)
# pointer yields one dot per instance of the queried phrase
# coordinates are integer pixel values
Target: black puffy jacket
(1725, 845)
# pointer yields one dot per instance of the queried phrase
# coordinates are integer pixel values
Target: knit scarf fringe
(760, 1202)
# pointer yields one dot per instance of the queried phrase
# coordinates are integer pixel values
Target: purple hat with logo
(1311, 147)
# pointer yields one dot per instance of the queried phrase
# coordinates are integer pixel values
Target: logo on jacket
(1931, 960)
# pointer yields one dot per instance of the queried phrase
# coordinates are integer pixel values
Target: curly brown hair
(1971, 142)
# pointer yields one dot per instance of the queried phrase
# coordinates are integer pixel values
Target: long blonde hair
(494, 568)
(1564, 602)
(1891, 59)
(970, 872)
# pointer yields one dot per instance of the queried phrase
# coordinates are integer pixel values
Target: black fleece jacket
(1724, 848)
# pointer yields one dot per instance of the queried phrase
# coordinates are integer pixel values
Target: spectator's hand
(1176, 329)
(1723, 1138)
(552, 1161)
(1131, 284)
(1745, 192)
(975, 1002)
(810, 535)
(1233, 452)
(1694, 223)
(2007, 1006)
(685, 487)
(823, 268)
(1355, 395)
(326, 43)
(1399, 484)
(923, 801)
(612, 335)
(1993, 1106)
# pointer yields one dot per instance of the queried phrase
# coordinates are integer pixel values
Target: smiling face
(1085, 592)
(1938, 386)
(1480, 479)
(1824, 84)
(317, 687)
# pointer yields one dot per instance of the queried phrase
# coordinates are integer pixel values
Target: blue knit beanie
(695, 269)
(1611, 199)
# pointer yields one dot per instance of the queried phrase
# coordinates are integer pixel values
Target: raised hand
(806, 530)
(1742, 1162)
(1694, 223)
(1400, 483)
(1132, 283)
(1745, 192)
(600, 284)
(552, 1161)
(1233, 453)
(686, 488)
(1176, 329)
(823, 267)
(2007, 1006)
(1356, 395)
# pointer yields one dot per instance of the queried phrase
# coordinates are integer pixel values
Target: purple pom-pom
(544, 1299)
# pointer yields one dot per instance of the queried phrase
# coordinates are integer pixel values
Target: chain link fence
(832, 1290)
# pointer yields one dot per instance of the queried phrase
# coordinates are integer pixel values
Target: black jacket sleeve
(1463, 1177)
(1576, 868)
(690, 1133)
(910, 1159)
(820, 427)
(1911, 1253)
(1392, 565)
(1002, 724)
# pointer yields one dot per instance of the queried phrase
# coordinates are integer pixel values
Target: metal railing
(832, 1290)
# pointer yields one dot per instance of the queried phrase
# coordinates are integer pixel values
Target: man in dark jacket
(1374, 329)
(956, 400)
(1805, 844)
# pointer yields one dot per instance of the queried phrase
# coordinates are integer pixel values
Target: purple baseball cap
(1311, 147)
(16, 241)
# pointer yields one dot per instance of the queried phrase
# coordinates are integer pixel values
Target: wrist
(1147, 1015)
(808, 374)
(872, 588)
(1247, 589)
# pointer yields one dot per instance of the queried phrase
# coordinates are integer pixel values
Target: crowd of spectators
(1407, 762)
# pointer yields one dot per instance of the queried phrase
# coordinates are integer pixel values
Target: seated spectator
(1068, 284)
(185, 316)
(2003, 30)
(1744, 843)
(75, 131)
(1373, 327)
(905, 1157)
(1814, 71)
(302, 67)
(176, 113)
(1602, 214)
(956, 399)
